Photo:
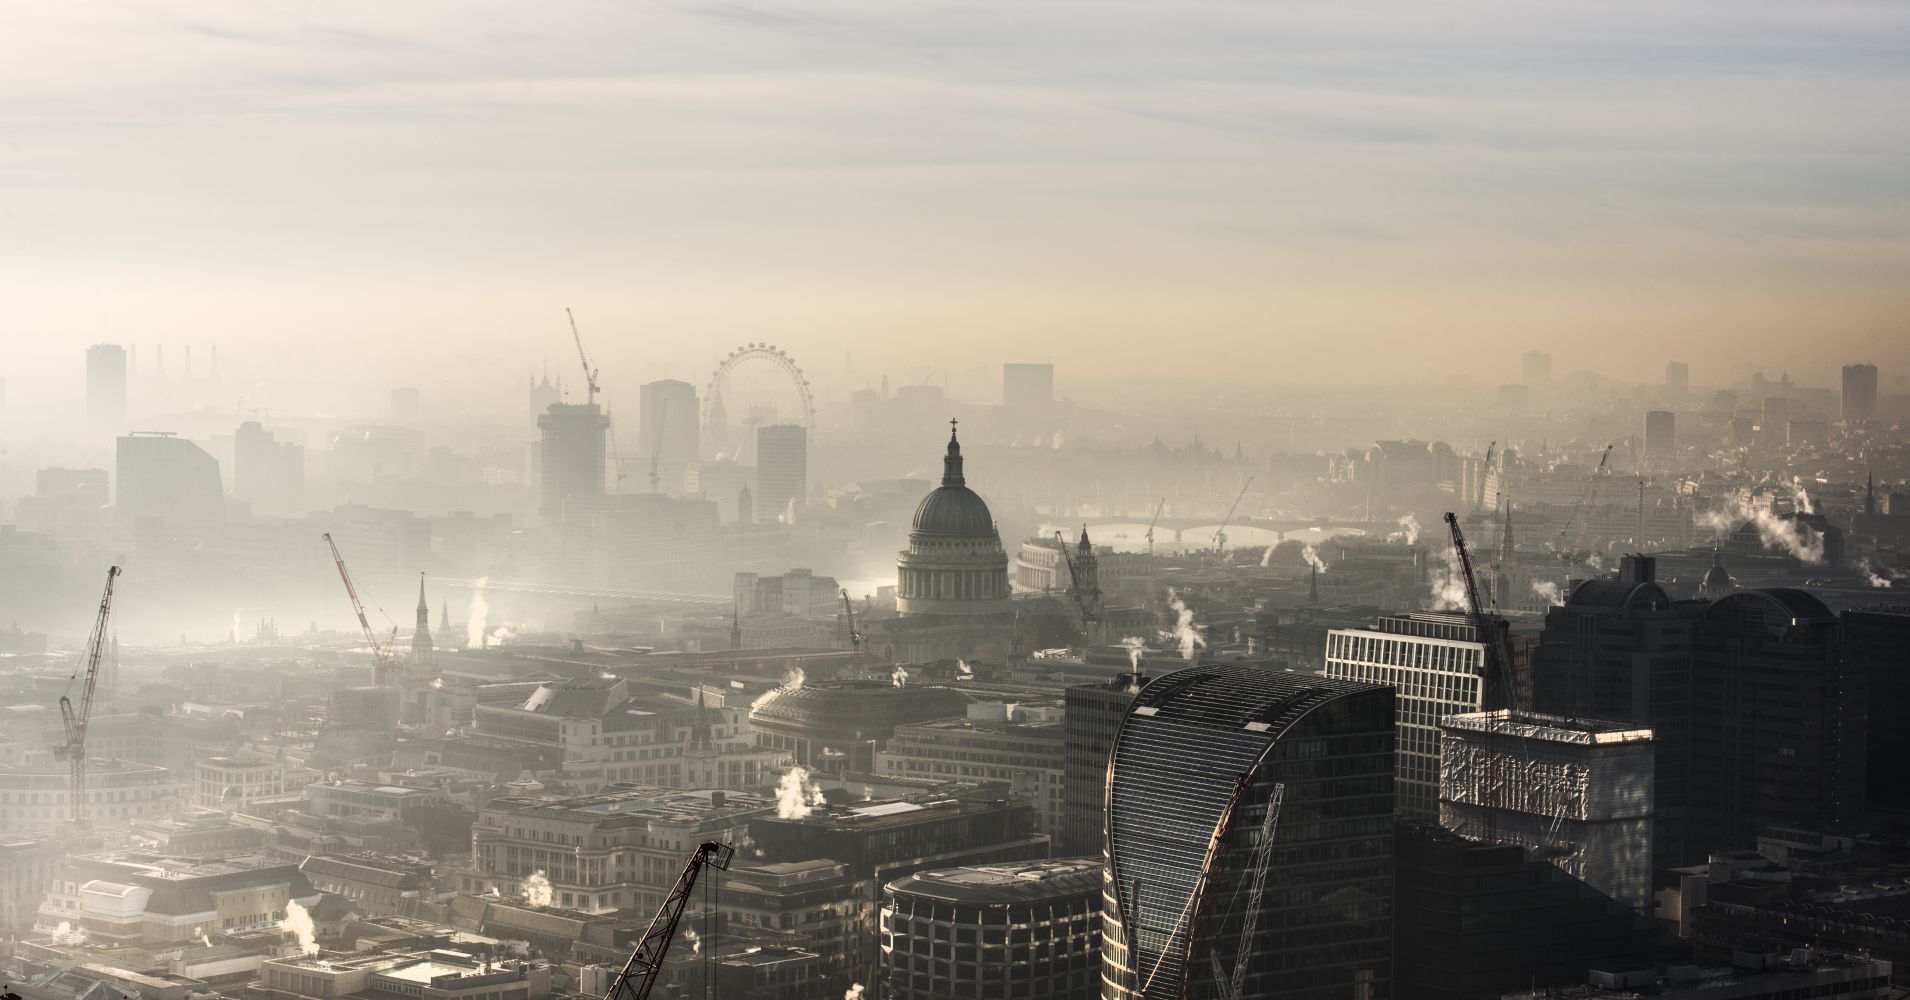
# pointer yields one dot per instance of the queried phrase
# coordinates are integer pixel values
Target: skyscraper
(1250, 834)
(1660, 438)
(1535, 369)
(572, 460)
(782, 469)
(1093, 719)
(1860, 393)
(668, 422)
(267, 473)
(1436, 664)
(1677, 375)
(1028, 389)
(106, 388)
(168, 484)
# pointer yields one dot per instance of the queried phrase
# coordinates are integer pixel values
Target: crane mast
(1485, 472)
(74, 719)
(639, 974)
(1220, 533)
(1083, 601)
(1496, 654)
(381, 665)
(1151, 522)
(1586, 501)
(855, 636)
(590, 374)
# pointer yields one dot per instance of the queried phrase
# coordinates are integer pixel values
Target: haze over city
(777, 501)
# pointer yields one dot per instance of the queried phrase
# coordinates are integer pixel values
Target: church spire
(952, 462)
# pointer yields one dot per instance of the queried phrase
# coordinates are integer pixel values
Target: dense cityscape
(775, 693)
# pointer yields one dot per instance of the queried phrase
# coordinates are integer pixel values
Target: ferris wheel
(800, 405)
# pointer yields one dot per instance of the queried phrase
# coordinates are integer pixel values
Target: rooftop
(1003, 884)
(1553, 728)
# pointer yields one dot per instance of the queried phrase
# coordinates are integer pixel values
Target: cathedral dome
(953, 509)
(954, 563)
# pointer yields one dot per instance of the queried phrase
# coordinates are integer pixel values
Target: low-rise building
(1011, 930)
(430, 975)
(135, 899)
(1028, 758)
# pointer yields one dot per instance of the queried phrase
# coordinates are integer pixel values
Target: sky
(1260, 191)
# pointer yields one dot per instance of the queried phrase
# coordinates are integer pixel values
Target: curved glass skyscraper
(1198, 896)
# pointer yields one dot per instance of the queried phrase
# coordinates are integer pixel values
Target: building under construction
(1576, 792)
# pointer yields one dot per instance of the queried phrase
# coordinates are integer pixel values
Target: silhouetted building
(1435, 664)
(167, 483)
(1661, 438)
(1093, 719)
(782, 470)
(106, 388)
(1204, 757)
(1677, 375)
(1876, 641)
(572, 458)
(1007, 930)
(1536, 368)
(1860, 393)
(267, 473)
(1028, 389)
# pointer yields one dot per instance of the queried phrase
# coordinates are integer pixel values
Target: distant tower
(106, 388)
(1087, 574)
(782, 466)
(736, 627)
(745, 506)
(444, 618)
(423, 654)
(1860, 393)
(716, 435)
(572, 460)
(1870, 493)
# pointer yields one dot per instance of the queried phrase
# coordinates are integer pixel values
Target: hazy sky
(1300, 189)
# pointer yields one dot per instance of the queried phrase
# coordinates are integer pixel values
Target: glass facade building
(1197, 893)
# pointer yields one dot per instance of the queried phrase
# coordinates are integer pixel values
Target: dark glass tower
(1199, 759)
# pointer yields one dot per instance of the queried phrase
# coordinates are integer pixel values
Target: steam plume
(1447, 582)
(1549, 591)
(797, 796)
(899, 676)
(1312, 557)
(537, 889)
(475, 617)
(298, 921)
(65, 935)
(1800, 541)
(1872, 577)
(1408, 532)
(1185, 632)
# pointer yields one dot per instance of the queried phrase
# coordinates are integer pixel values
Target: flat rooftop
(1008, 883)
(1553, 728)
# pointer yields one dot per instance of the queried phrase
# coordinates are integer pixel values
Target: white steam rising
(1872, 577)
(476, 615)
(298, 922)
(66, 936)
(1266, 558)
(797, 796)
(536, 890)
(1447, 583)
(899, 677)
(1408, 532)
(853, 992)
(1549, 591)
(1775, 533)
(1186, 634)
(1312, 557)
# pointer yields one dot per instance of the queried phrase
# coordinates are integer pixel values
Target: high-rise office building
(267, 473)
(1250, 831)
(1574, 791)
(1860, 393)
(782, 470)
(1030, 929)
(106, 388)
(1875, 640)
(1661, 438)
(668, 422)
(1677, 375)
(167, 484)
(1093, 719)
(1535, 369)
(1435, 663)
(1028, 389)
(572, 458)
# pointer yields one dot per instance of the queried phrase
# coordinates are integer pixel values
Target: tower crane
(381, 662)
(1262, 864)
(1498, 660)
(75, 719)
(1151, 522)
(1585, 502)
(656, 442)
(1485, 472)
(1220, 533)
(590, 396)
(639, 974)
(855, 636)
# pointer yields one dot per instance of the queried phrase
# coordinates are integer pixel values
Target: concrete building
(1860, 393)
(1575, 792)
(885, 840)
(797, 592)
(373, 885)
(144, 900)
(267, 473)
(1436, 664)
(1028, 389)
(571, 458)
(849, 717)
(1091, 722)
(231, 783)
(670, 422)
(106, 388)
(37, 797)
(1535, 369)
(1021, 930)
(1677, 375)
(1204, 757)
(620, 848)
(423, 975)
(816, 906)
(167, 484)
(1028, 758)
(782, 471)
(27, 867)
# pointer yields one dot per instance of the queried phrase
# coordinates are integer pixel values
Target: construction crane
(590, 373)
(1220, 533)
(1585, 502)
(639, 974)
(855, 636)
(381, 664)
(1497, 657)
(1152, 522)
(76, 718)
(1484, 474)
(1083, 601)
(656, 442)
(1231, 983)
